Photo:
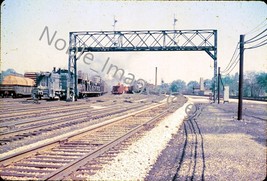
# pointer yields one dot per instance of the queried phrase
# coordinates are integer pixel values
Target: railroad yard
(133, 90)
(131, 137)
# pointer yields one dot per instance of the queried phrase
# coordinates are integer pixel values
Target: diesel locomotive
(54, 85)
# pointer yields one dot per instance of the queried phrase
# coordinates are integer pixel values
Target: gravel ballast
(135, 162)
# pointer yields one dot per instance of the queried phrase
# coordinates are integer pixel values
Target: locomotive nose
(40, 92)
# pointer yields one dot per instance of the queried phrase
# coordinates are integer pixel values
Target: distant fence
(251, 98)
(263, 98)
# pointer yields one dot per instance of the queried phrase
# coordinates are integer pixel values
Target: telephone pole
(240, 87)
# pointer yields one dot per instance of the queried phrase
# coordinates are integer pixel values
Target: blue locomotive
(54, 85)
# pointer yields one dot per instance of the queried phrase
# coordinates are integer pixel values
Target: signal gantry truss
(145, 40)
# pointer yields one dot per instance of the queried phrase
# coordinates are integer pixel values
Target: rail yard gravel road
(214, 145)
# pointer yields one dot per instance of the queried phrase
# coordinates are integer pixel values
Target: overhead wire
(250, 40)
(232, 64)
(237, 60)
(256, 39)
(229, 64)
(257, 28)
(264, 42)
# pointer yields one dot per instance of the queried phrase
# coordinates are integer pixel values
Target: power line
(257, 28)
(248, 41)
(233, 66)
(256, 39)
(264, 42)
(227, 67)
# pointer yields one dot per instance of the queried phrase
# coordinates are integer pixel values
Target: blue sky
(22, 23)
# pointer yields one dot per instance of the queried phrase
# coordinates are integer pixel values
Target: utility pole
(219, 77)
(240, 87)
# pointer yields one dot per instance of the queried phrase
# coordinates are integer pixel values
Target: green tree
(232, 82)
(208, 84)
(251, 87)
(191, 85)
(254, 84)
(261, 80)
(178, 86)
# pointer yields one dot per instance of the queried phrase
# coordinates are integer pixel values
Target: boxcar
(118, 89)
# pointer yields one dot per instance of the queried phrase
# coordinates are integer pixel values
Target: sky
(23, 21)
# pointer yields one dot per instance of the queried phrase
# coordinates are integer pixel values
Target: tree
(232, 82)
(191, 85)
(178, 86)
(261, 80)
(165, 87)
(208, 84)
(254, 85)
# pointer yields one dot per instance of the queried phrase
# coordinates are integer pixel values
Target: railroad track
(61, 121)
(192, 153)
(12, 120)
(53, 115)
(17, 111)
(23, 132)
(31, 128)
(58, 159)
(31, 112)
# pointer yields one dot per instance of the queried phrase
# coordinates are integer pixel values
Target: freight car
(129, 89)
(53, 85)
(118, 89)
(88, 88)
(16, 86)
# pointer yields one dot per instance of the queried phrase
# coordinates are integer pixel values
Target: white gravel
(135, 162)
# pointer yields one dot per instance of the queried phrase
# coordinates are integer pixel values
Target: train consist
(51, 85)
(94, 87)
(121, 89)
(54, 85)
(16, 86)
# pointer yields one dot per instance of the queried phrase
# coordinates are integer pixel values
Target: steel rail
(73, 112)
(68, 169)
(6, 160)
(70, 121)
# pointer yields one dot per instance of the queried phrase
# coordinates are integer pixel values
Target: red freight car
(118, 89)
